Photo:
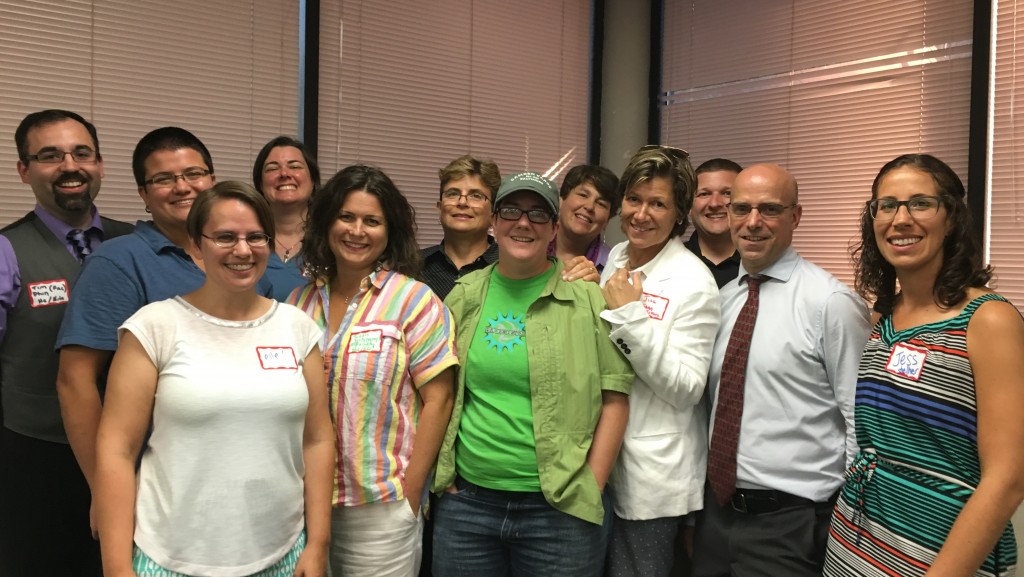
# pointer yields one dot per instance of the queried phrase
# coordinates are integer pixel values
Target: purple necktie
(80, 242)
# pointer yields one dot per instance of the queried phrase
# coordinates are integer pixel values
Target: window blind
(409, 86)
(830, 90)
(227, 71)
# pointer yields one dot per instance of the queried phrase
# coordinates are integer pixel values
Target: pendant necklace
(288, 250)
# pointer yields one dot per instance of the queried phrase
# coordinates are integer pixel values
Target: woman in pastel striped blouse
(389, 355)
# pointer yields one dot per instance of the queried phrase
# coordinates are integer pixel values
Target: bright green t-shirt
(495, 445)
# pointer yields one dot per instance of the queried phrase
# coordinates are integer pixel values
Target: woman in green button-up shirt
(540, 407)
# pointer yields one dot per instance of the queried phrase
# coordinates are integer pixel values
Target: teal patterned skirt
(146, 567)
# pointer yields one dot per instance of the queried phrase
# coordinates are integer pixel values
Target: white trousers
(376, 540)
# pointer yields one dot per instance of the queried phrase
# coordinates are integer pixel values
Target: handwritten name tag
(48, 292)
(907, 361)
(365, 342)
(655, 306)
(272, 358)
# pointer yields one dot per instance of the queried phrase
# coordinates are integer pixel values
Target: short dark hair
(284, 141)
(166, 138)
(962, 267)
(50, 116)
(716, 165)
(604, 180)
(401, 253)
(665, 162)
(199, 215)
(468, 165)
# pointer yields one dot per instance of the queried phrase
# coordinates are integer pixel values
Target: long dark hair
(401, 253)
(962, 267)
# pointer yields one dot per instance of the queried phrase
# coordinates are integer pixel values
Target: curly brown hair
(962, 267)
(401, 253)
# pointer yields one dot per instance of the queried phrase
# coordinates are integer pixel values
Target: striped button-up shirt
(395, 336)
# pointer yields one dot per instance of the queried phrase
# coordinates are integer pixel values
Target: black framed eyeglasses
(514, 214)
(80, 154)
(473, 198)
(885, 209)
(165, 179)
(769, 210)
(230, 239)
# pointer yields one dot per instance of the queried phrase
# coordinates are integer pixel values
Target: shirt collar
(780, 270)
(489, 255)
(156, 239)
(60, 229)
(693, 244)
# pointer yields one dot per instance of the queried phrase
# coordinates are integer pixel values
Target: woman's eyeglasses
(885, 209)
(230, 239)
(534, 216)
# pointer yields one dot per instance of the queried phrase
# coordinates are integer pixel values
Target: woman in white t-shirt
(235, 478)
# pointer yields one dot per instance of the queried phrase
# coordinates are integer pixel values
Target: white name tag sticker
(48, 292)
(907, 361)
(655, 306)
(366, 341)
(272, 358)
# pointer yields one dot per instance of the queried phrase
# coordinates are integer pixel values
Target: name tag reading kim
(907, 361)
(272, 358)
(655, 306)
(366, 341)
(48, 292)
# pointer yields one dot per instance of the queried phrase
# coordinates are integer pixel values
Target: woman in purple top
(590, 197)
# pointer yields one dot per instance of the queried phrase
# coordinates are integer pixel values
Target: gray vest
(28, 361)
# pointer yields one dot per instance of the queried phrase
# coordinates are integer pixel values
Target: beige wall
(624, 98)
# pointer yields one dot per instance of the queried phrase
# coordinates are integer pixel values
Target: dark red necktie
(726, 433)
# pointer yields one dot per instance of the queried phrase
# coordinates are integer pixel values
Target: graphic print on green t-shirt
(505, 331)
(495, 447)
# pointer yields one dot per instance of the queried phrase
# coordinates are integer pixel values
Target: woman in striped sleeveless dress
(939, 395)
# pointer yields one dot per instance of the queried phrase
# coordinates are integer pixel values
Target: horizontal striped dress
(917, 429)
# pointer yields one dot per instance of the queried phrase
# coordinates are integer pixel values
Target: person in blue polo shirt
(171, 166)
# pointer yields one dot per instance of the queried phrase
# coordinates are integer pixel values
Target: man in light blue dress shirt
(796, 429)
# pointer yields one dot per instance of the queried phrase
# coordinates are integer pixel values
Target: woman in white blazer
(663, 306)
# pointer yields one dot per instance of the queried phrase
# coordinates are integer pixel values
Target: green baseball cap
(532, 182)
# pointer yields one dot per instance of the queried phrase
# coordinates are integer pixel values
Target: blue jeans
(480, 531)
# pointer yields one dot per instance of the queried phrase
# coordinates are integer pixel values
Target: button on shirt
(796, 433)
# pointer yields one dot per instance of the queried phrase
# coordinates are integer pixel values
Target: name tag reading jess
(907, 361)
(365, 342)
(47, 293)
(272, 358)
(655, 306)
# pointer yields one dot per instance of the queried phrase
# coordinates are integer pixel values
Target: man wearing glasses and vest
(44, 498)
